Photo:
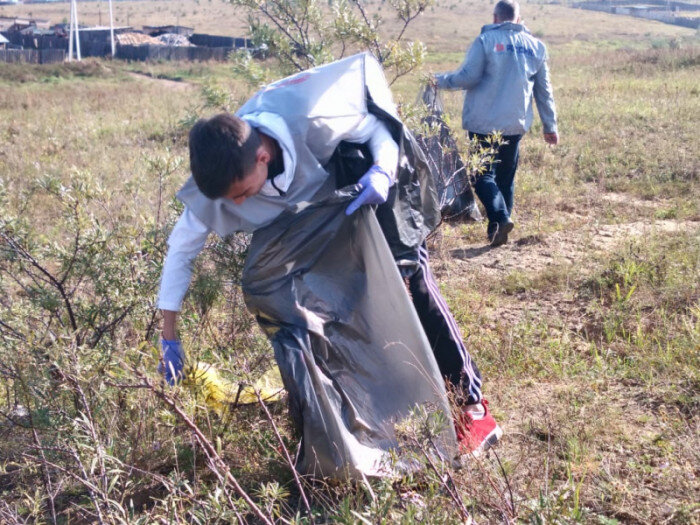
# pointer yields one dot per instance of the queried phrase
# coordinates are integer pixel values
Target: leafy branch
(303, 34)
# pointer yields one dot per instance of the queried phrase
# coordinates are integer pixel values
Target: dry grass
(586, 326)
(444, 28)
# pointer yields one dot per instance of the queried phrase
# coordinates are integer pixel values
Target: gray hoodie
(503, 69)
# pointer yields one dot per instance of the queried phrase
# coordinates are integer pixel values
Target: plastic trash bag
(348, 342)
(220, 394)
(451, 178)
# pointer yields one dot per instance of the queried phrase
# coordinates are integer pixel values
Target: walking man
(504, 68)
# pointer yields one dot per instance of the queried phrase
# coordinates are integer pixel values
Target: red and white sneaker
(476, 436)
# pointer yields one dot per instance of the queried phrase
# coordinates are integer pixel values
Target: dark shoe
(500, 236)
(491, 230)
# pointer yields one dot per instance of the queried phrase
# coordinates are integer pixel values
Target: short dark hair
(506, 10)
(222, 150)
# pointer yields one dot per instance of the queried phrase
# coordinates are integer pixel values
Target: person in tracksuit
(504, 68)
(249, 167)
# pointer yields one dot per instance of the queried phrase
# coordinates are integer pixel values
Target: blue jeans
(496, 186)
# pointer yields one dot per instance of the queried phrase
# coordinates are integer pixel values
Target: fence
(668, 18)
(37, 41)
(40, 49)
(200, 39)
(148, 52)
(660, 15)
(138, 53)
(32, 56)
(663, 4)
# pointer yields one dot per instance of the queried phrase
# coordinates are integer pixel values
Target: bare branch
(217, 463)
(375, 41)
(297, 479)
(45, 472)
(21, 251)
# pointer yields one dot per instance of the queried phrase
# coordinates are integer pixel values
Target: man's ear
(262, 155)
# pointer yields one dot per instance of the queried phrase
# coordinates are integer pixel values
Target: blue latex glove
(375, 186)
(173, 360)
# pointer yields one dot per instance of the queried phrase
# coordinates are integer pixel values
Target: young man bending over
(250, 167)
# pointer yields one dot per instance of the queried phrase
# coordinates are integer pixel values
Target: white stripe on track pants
(445, 338)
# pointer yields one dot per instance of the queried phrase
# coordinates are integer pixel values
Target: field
(586, 326)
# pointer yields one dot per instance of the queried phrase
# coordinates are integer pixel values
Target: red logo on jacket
(499, 48)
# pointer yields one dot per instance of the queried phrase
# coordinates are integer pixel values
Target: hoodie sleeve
(184, 244)
(385, 151)
(469, 73)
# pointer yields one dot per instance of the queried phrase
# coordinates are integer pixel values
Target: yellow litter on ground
(220, 394)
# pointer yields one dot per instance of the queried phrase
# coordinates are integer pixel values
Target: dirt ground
(581, 236)
(532, 253)
(617, 421)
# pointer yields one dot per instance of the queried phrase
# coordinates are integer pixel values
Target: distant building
(96, 41)
(3, 42)
(29, 33)
(103, 32)
(161, 30)
(35, 31)
(9, 24)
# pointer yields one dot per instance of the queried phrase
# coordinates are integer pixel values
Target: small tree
(307, 33)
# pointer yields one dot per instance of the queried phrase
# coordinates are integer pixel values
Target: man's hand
(173, 360)
(432, 81)
(551, 138)
(375, 186)
(429, 79)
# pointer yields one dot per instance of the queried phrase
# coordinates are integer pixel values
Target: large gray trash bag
(350, 347)
(452, 180)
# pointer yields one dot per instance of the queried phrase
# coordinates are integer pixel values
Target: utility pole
(111, 29)
(74, 35)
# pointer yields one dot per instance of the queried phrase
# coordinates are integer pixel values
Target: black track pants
(445, 339)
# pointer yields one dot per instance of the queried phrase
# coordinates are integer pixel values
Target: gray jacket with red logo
(503, 69)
